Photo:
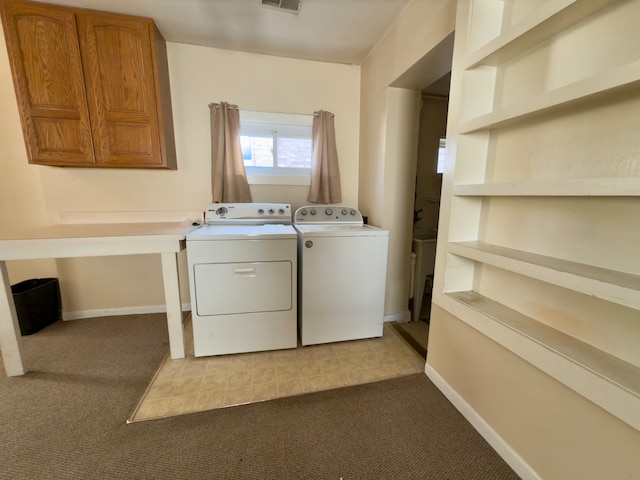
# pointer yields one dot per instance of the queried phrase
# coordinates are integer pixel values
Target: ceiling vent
(292, 6)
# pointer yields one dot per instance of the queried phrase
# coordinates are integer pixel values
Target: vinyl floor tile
(203, 383)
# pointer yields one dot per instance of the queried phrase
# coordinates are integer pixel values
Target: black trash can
(37, 303)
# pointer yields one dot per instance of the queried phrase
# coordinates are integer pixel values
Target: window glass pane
(442, 155)
(294, 152)
(257, 151)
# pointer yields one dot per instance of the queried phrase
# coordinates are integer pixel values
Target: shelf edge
(623, 77)
(619, 400)
(616, 287)
(587, 187)
(544, 24)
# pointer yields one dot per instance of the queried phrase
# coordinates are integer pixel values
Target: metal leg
(10, 338)
(174, 308)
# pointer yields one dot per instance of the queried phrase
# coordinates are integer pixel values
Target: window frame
(287, 125)
(442, 155)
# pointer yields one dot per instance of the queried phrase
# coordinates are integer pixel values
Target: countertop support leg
(10, 338)
(174, 307)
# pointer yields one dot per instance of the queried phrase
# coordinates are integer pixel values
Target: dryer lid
(242, 232)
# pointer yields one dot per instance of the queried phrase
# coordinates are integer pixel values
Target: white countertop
(77, 240)
(91, 240)
(85, 230)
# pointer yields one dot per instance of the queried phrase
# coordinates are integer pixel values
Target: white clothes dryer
(342, 270)
(243, 279)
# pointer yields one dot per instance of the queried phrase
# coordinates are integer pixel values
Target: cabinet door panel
(131, 138)
(121, 90)
(59, 134)
(47, 72)
(119, 53)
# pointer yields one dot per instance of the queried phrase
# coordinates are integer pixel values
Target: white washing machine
(342, 275)
(243, 279)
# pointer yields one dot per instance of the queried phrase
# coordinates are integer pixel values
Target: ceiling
(338, 31)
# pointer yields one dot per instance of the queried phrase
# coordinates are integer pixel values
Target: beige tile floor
(195, 384)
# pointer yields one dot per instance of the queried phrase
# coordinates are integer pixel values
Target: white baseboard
(509, 455)
(112, 312)
(401, 317)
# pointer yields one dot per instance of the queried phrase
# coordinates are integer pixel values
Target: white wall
(388, 137)
(21, 198)
(401, 151)
(559, 434)
(199, 76)
(202, 75)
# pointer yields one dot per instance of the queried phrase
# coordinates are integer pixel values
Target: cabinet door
(47, 74)
(117, 53)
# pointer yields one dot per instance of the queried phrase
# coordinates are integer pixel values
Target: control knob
(313, 211)
(328, 211)
(344, 211)
(281, 211)
(271, 211)
(222, 211)
(260, 211)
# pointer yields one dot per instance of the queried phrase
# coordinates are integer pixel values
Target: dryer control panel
(327, 214)
(247, 213)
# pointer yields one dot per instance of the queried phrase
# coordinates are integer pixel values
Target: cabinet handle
(244, 272)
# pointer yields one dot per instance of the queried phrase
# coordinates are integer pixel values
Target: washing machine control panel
(327, 214)
(247, 213)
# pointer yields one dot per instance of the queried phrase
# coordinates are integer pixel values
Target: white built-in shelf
(605, 379)
(617, 287)
(594, 372)
(587, 187)
(546, 21)
(608, 82)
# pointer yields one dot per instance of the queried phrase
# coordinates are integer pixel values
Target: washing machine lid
(241, 232)
(338, 230)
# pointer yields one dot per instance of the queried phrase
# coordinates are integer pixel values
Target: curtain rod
(217, 105)
(230, 107)
(282, 113)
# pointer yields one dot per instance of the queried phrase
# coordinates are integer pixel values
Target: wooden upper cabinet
(118, 61)
(48, 79)
(92, 87)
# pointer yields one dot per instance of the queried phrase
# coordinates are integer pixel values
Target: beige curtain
(228, 176)
(325, 175)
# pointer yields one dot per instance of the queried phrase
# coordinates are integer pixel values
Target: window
(442, 155)
(276, 147)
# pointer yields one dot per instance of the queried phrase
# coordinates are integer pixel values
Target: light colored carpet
(65, 420)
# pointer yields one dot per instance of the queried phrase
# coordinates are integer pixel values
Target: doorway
(428, 185)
